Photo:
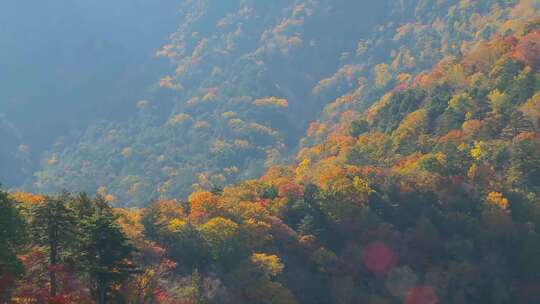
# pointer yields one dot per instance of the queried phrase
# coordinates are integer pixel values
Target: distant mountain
(65, 64)
(238, 97)
(249, 78)
(14, 159)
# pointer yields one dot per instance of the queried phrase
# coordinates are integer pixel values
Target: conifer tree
(105, 252)
(53, 226)
(12, 236)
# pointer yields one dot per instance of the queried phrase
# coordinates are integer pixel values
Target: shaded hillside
(237, 99)
(67, 63)
(14, 159)
(249, 78)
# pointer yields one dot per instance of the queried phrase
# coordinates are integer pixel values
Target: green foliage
(53, 226)
(358, 127)
(12, 238)
(239, 99)
(104, 252)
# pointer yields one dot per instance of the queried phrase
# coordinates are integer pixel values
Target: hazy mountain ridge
(66, 64)
(228, 59)
(226, 56)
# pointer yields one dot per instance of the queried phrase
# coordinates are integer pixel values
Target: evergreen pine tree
(105, 252)
(12, 236)
(53, 226)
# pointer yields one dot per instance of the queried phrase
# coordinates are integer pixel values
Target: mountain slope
(67, 63)
(250, 77)
(430, 196)
(238, 98)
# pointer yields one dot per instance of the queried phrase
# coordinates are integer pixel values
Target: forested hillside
(14, 159)
(419, 184)
(65, 64)
(237, 99)
(248, 78)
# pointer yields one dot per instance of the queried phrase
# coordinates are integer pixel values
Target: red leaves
(400, 87)
(6, 281)
(160, 296)
(422, 295)
(291, 190)
(379, 258)
(528, 50)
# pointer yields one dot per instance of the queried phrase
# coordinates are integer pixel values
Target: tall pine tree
(53, 226)
(105, 251)
(12, 236)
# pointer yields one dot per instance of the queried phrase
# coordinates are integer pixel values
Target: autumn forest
(270, 152)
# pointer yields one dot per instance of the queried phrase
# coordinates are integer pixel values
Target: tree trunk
(52, 271)
(102, 293)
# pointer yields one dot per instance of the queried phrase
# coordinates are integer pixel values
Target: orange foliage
(484, 56)
(130, 221)
(471, 127)
(27, 198)
(316, 129)
(498, 200)
(204, 202)
(291, 190)
(528, 50)
(277, 175)
(454, 135)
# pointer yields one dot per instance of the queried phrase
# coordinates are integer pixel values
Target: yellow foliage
(127, 152)
(404, 78)
(498, 200)
(231, 170)
(228, 114)
(269, 264)
(460, 102)
(531, 109)
(210, 95)
(498, 101)
(201, 124)
(101, 190)
(411, 127)
(177, 119)
(274, 101)
(219, 230)
(362, 185)
(303, 167)
(382, 74)
(245, 191)
(176, 224)
(471, 127)
(167, 82)
(242, 144)
(235, 123)
(192, 101)
(374, 109)
(478, 151)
